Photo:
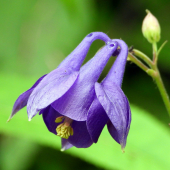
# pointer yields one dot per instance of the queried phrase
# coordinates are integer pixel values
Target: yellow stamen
(71, 131)
(59, 119)
(64, 130)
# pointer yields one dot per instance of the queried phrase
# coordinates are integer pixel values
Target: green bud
(151, 28)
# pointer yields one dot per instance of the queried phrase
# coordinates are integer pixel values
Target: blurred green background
(35, 36)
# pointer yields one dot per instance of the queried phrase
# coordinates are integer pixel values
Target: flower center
(64, 130)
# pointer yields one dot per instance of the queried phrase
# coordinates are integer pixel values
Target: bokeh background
(35, 36)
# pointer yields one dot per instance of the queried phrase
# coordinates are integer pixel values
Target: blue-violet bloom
(73, 105)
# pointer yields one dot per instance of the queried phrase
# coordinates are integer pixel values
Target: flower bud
(151, 28)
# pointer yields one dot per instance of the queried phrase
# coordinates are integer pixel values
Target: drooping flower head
(73, 105)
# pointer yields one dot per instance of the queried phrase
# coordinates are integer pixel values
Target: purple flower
(73, 105)
(66, 117)
(62, 78)
(110, 105)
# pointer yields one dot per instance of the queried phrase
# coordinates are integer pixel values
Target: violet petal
(116, 72)
(128, 117)
(75, 59)
(96, 120)
(49, 116)
(65, 144)
(23, 98)
(75, 103)
(113, 131)
(81, 137)
(52, 87)
(116, 106)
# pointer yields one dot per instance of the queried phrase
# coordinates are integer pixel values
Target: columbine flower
(67, 116)
(110, 105)
(59, 80)
(73, 105)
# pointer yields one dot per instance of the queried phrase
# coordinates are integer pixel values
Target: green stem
(152, 71)
(162, 90)
(144, 57)
(158, 79)
(137, 62)
(154, 45)
(161, 47)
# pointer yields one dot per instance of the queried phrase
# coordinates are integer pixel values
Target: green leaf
(37, 35)
(148, 143)
(14, 150)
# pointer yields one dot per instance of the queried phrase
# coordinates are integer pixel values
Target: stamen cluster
(64, 130)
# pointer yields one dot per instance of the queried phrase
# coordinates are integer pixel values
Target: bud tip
(150, 28)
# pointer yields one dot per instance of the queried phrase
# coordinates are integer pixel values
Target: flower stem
(155, 57)
(142, 56)
(153, 70)
(158, 79)
(162, 90)
(137, 62)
